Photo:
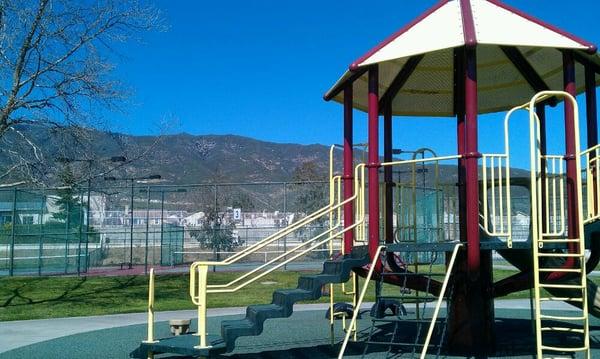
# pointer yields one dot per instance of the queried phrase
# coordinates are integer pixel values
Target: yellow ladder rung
(557, 349)
(566, 255)
(559, 240)
(560, 317)
(564, 270)
(563, 329)
(561, 299)
(562, 286)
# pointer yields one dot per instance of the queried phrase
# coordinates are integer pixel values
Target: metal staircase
(309, 288)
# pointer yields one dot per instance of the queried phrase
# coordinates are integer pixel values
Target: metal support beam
(540, 110)
(348, 167)
(571, 177)
(387, 174)
(586, 62)
(399, 81)
(342, 86)
(471, 316)
(526, 70)
(471, 158)
(515, 56)
(591, 107)
(373, 165)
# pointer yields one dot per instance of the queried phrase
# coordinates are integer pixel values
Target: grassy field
(53, 297)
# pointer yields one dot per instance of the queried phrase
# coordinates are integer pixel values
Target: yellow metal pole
(150, 338)
(201, 302)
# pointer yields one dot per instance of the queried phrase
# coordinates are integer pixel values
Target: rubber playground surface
(305, 334)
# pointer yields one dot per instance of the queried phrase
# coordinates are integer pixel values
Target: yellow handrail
(438, 304)
(421, 160)
(199, 270)
(285, 231)
(281, 264)
(282, 255)
(150, 338)
(360, 300)
(359, 173)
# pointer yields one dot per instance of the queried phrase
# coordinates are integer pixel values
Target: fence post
(13, 223)
(147, 228)
(67, 229)
(131, 227)
(214, 233)
(162, 223)
(80, 232)
(41, 241)
(285, 216)
(87, 226)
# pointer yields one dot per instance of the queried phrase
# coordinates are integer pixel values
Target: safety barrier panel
(554, 196)
(496, 186)
(591, 159)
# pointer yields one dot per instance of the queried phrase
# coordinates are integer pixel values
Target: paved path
(15, 334)
(19, 333)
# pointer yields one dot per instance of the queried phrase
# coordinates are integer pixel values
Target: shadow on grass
(67, 295)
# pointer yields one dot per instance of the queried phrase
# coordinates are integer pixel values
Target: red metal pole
(592, 136)
(590, 106)
(373, 165)
(387, 174)
(471, 180)
(592, 140)
(569, 83)
(471, 316)
(348, 168)
(572, 201)
(459, 109)
(540, 110)
(462, 200)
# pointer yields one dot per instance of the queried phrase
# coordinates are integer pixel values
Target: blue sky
(260, 68)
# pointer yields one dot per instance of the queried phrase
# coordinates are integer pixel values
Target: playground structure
(459, 59)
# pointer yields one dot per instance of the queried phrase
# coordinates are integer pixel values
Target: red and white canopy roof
(508, 42)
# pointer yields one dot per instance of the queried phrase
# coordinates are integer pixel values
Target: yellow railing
(361, 298)
(496, 196)
(554, 210)
(591, 156)
(438, 304)
(497, 220)
(199, 287)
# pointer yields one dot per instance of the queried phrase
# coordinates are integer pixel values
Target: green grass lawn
(53, 297)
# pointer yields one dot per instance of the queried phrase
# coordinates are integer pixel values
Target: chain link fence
(73, 231)
(79, 230)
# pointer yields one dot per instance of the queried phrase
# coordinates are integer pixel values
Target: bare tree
(56, 69)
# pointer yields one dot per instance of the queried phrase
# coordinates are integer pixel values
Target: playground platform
(307, 335)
